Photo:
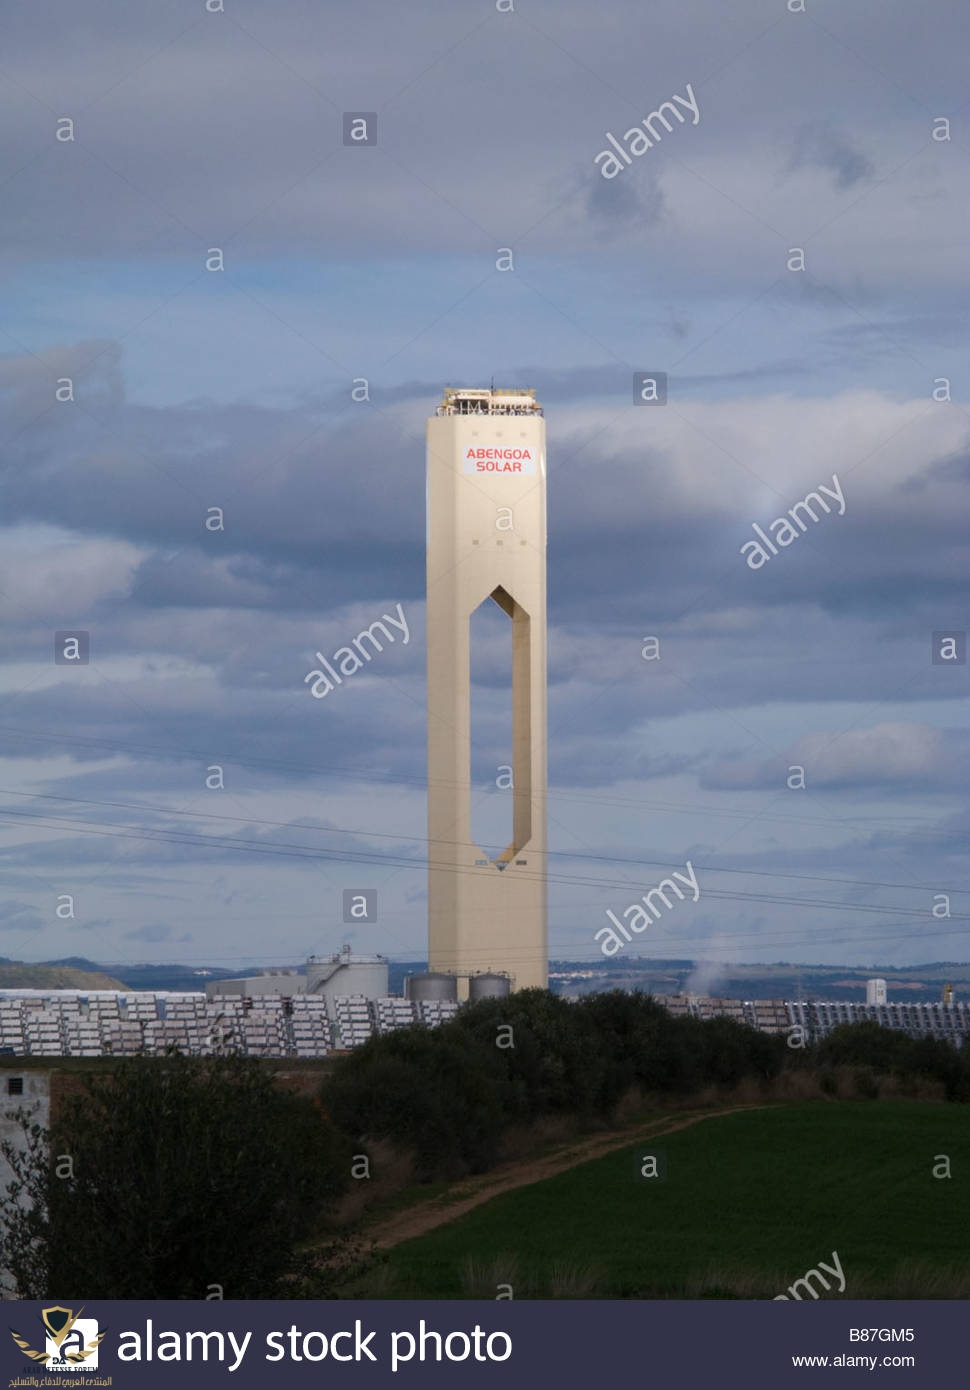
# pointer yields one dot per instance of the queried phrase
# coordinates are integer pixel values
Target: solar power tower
(486, 539)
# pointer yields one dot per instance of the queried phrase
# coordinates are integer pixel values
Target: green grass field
(750, 1203)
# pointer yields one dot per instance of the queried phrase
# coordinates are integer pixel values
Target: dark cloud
(17, 916)
(154, 933)
(637, 197)
(822, 146)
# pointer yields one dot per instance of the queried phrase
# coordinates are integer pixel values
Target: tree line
(200, 1177)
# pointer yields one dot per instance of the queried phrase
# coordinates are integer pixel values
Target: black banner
(86, 1346)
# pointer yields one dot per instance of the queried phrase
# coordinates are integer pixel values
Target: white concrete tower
(486, 539)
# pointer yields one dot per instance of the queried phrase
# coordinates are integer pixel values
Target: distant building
(875, 991)
(276, 982)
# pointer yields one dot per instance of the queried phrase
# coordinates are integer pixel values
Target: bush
(888, 1052)
(865, 1083)
(864, 1044)
(432, 1091)
(448, 1095)
(169, 1175)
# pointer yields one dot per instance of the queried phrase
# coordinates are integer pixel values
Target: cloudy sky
(795, 261)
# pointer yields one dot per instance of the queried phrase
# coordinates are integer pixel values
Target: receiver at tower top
(489, 401)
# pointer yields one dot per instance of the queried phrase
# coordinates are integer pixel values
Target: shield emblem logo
(59, 1322)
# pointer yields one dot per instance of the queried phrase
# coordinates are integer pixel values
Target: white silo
(431, 986)
(344, 974)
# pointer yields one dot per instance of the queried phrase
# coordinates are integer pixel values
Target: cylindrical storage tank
(345, 974)
(431, 986)
(489, 986)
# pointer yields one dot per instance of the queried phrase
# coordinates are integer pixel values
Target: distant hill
(777, 980)
(19, 976)
(149, 977)
(173, 977)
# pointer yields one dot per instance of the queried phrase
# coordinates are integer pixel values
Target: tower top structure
(489, 401)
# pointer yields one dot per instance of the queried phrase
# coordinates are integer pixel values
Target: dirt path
(472, 1192)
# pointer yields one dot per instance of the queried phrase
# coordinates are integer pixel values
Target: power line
(236, 844)
(423, 840)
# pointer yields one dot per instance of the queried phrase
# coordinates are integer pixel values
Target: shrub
(168, 1175)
